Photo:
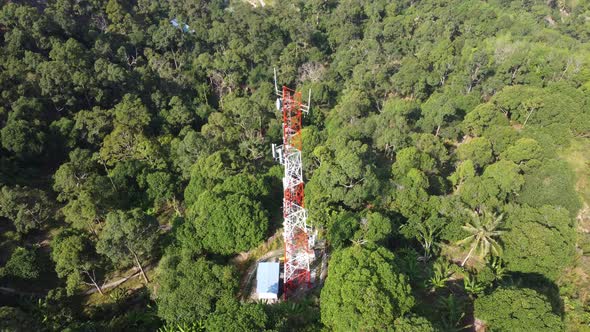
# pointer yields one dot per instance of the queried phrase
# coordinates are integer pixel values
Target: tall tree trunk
(108, 174)
(528, 116)
(92, 228)
(140, 267)
(469, 254)
(94, 282)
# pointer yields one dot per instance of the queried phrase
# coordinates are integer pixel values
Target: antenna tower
(297, 235)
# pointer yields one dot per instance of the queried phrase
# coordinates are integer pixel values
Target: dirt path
(9, 290)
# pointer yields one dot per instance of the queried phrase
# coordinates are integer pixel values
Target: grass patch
(578, 156)
(244, 261)
(575, 282)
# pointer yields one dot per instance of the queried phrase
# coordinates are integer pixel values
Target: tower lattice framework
(297, 235)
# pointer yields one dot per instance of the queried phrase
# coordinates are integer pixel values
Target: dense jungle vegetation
(447, 158)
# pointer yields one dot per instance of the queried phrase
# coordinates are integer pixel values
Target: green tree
(23, 263)
(66, 79)
(249, 120)
(478, 150)
(479, 191)
(70, 178)
(127, 140)
(409, 158)
(90, 207)
(391, 127)
(75, 259)
(437, 111)
(57, 309)
(538, 240)
(353, 107)
(482, 118)
(464, 171)
(513, 309)
(178, 115)
(345, 176)
(24, 132)
(533, 106)
(231, 315)
(227, 223)
(434, 147)
(477, 64)
(186, 152)
(189, 290)
(120, 19)
(341, 226)
(364, 291)
(551, 184)
(128, 237)
(93, 125)
(160, 187)
(412, 174)
(374, 227)
(13, 319)
(410, 196)
(483, 229)
(506, 176)
(22, 137)
(410, 80)
(208, 172)
(413, 324)
(26, 207)
(88, 195)
(501, 138)
(525, 152)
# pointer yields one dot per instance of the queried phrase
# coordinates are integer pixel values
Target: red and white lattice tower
(297, 235)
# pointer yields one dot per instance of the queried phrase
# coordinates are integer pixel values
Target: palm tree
(483, 228)
(427, 234)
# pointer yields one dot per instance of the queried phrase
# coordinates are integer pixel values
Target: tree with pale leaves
(483, 231)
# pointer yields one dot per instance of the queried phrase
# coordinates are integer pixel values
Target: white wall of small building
(267, 296)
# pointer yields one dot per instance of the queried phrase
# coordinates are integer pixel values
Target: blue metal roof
(184, 26)
(267, 278)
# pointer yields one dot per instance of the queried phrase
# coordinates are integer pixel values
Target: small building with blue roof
(267, 281)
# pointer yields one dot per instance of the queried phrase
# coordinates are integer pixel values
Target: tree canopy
(364, 290)
(75, 259)
(513, 309)
(135, 137)
(539, 240)
(190, 289)
(128, 237)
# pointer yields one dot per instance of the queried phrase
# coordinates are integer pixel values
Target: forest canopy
(445, 156)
